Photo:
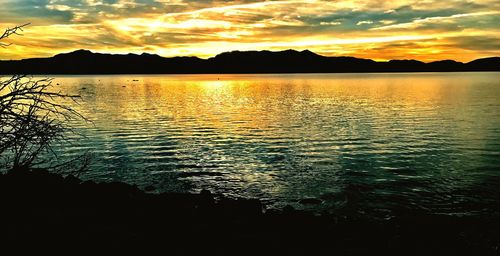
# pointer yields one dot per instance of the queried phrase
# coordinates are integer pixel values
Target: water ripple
(366, 142)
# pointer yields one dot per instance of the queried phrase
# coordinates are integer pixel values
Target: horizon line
(277, 51)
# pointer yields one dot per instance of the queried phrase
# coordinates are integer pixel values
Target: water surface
(359, 142)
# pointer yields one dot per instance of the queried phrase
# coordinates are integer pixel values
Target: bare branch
(11, 31)
(33, 117)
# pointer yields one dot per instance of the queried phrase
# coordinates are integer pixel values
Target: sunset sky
(401, 29)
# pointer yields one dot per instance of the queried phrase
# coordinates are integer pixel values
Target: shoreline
(52, 212)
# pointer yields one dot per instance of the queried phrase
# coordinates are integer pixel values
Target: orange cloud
(370, 29)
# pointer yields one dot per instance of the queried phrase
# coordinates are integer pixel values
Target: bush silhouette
(32, 117)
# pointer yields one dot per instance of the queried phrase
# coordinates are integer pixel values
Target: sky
(425, 30)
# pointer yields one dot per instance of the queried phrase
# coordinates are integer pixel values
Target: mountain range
(288, 61)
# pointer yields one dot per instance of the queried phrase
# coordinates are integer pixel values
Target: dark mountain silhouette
(486, 64)
(289, 61)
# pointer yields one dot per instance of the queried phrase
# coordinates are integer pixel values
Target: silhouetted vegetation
(32, 118)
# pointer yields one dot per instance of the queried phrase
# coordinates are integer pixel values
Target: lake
(360, 143)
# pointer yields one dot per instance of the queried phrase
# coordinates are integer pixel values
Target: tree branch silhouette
(11, 31)
(32, 118)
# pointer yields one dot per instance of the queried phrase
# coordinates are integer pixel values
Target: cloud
(490, 43)
(364, 22)
(369, 28)
(417, 23)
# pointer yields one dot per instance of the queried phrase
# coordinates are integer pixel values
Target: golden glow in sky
(402, 29)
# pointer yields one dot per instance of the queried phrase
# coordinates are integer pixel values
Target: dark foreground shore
(47, 212)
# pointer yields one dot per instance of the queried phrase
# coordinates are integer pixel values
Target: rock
(288, 209)
(206, 199)
(72, 180)
(310, 201)
(150, 188)
(241, 206)
(205, 192)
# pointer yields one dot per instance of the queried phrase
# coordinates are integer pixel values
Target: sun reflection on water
(286, 137)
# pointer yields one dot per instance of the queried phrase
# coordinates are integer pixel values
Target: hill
(289, 61)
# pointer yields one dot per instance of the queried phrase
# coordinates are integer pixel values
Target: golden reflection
(256, 129)
(231, 102)
(209, 85)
